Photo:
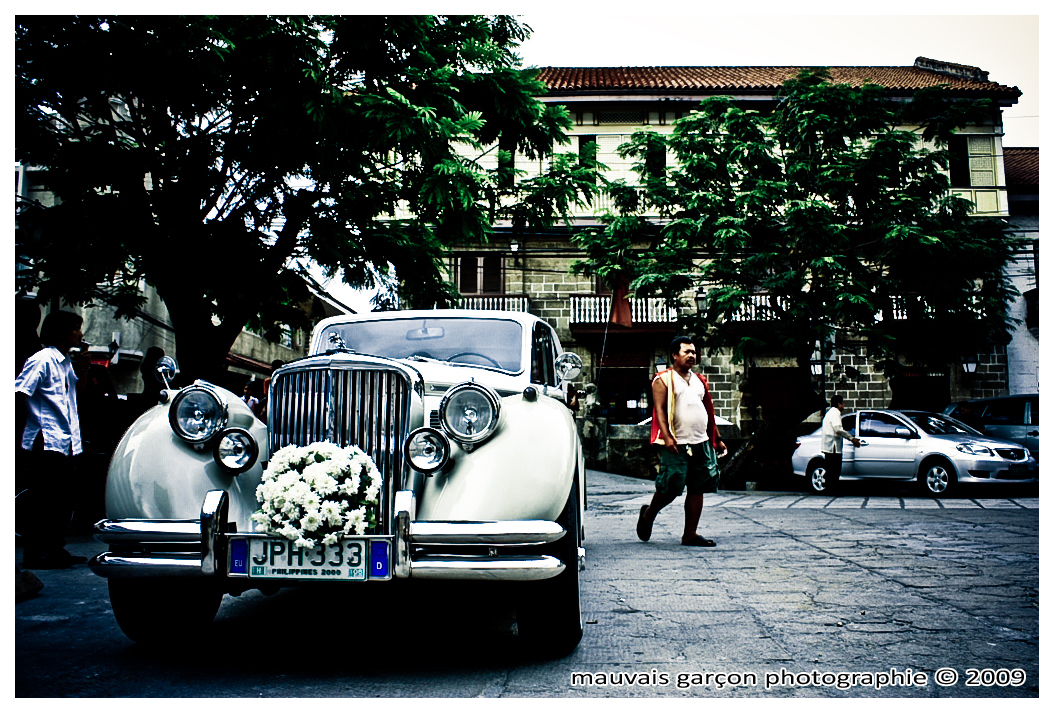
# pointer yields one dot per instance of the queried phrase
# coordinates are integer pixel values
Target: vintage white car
(463, 413)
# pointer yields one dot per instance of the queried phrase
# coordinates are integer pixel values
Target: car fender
(524, 472)
(154, 474)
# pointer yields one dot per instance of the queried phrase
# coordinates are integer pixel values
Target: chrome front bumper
(421, 550)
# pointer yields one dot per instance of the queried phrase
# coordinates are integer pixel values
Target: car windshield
(494, 343)
(938, 425)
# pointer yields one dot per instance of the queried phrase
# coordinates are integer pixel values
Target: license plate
(281, 559)
(1019, 470)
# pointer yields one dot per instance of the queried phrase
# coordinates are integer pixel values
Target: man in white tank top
(684, 424)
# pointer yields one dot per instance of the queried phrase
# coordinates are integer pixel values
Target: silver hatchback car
(932, 448)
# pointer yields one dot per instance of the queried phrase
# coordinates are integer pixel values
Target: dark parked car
(1014, 418)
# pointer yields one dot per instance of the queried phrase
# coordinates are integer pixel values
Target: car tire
(163, 611)
(816, 478)
(549, 612)
(937, 477)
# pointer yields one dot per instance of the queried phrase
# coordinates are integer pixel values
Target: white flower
(331, 513)
(311, 520)
(350, 486)
(355, 521)
(330, 539)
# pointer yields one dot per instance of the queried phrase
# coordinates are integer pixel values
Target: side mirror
(568, 366)
(166, 370)
(904, 432)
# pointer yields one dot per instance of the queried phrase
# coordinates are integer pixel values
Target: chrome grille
(365, 407)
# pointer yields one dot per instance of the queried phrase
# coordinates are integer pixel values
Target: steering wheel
(452, 357)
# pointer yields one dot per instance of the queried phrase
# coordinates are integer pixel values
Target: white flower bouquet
(316, 494)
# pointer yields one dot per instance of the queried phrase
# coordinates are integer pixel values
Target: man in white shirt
(831, 436)
(48, 386)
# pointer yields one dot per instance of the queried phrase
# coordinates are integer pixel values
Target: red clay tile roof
(1022, 165)
(573, 80)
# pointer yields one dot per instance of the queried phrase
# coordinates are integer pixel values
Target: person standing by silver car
(831, 443)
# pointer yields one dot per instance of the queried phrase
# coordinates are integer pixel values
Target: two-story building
(607, 104)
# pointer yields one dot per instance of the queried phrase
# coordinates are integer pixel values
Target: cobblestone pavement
(802, 588)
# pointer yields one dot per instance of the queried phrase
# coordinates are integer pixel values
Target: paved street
(874, 594)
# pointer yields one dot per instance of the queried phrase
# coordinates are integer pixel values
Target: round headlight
(236, 450)
(197, 413)
(427, 450)
(469, 412)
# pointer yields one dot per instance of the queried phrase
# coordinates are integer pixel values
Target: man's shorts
(697, 471)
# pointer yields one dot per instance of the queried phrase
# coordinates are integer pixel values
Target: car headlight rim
(456, 405)
(245, 459)
(422, 438)
(975, 449)
(213, 425)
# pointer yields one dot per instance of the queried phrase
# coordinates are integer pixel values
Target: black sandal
(643, 526)
(699, 541)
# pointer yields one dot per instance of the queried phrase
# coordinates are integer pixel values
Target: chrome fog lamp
(197, 413)
(236, 450)
(427, 450)
(469, 412)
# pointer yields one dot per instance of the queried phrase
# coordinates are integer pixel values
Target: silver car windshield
(494, 343)
(937, 425)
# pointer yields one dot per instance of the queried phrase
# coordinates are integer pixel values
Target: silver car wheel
(938, 480)
(818, 479)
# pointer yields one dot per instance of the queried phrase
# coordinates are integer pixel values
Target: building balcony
(590, 313)
(507, 303)
(758, 308)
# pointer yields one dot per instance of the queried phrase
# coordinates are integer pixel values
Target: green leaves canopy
(208, 154)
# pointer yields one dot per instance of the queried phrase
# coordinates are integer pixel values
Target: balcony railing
(758, 308)
(596, 310)
(913, 306)
(507, 303)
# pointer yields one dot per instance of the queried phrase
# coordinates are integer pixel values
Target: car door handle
(863, 442)
(1032, 433)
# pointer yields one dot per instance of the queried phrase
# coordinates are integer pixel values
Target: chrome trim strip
(148, 531)
(520, 568)
(213, 525)
(109, 564)
(497, 533)
(401, 549)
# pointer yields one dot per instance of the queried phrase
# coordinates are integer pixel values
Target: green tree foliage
(823, 214)
(212, 156)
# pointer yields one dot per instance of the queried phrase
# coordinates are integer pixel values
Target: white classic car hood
(440, 376)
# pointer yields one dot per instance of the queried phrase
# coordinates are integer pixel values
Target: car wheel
(817, 477)
(937, 477)
(162, 611)
(549, 613)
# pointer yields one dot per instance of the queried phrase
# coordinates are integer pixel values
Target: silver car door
(887, 448)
